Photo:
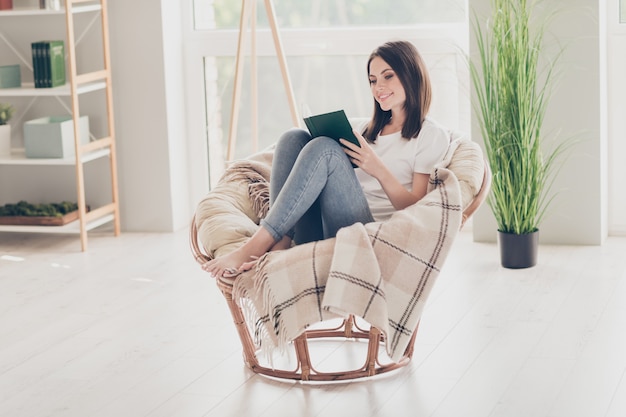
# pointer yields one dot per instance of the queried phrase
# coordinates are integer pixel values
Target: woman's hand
(363, 157)
(366, 159)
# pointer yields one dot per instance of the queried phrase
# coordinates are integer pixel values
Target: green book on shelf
(48, 63)
(56, 62)
(37, 49)
(45, 65)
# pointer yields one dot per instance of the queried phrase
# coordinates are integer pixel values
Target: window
(224, 14)
(326, 43)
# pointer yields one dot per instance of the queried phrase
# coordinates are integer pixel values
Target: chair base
(348, 330)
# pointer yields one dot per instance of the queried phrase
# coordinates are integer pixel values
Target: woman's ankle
(284, 243)
(260, 243)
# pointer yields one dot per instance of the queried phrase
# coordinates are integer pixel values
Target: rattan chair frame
(348, 330)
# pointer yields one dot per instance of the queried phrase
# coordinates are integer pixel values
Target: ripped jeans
(313, 189)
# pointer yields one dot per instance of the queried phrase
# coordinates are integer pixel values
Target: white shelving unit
(18, 157)
(77, 85)
(87, 6)
(28, 90)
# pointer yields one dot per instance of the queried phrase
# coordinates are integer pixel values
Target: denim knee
(294, 137)
(323, 145)
(299, 138)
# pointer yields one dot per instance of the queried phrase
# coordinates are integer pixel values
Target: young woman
(314, 189)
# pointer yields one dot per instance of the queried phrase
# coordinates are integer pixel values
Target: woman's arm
(366, 159)
(399, 196)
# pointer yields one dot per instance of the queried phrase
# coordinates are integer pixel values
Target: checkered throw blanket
(381, 271)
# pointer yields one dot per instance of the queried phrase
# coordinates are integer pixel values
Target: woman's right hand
(364, 156)
(366, 159)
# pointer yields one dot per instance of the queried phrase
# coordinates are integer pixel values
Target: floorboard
(134, 328)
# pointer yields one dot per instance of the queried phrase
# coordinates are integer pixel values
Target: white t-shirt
(403, 158)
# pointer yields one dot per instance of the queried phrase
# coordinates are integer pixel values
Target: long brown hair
(409, 66)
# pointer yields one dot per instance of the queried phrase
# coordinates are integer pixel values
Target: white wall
(146, 55)
(578, 214)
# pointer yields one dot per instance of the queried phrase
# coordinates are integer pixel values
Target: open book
(334, 125)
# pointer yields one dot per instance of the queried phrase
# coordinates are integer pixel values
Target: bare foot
(257, 245)
(228, 264)
(284, 243)
(246, 266)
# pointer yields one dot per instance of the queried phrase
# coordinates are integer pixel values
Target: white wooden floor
(134, 328)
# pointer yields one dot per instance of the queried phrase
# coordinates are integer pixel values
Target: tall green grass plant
(512, 93)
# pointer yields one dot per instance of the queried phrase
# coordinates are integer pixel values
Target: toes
(230, 273)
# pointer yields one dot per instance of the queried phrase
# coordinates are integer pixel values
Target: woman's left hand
(363, 157)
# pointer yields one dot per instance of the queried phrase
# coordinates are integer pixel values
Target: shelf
(43, 12)
(29, 90)
(77, 84)
(70, 228)
(18, 157)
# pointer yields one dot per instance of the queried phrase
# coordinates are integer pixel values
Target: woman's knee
(294, 137)
(324, 146)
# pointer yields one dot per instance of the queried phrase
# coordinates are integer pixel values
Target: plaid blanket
(380, 271)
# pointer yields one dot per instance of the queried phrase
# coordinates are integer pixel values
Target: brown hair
(409, 66)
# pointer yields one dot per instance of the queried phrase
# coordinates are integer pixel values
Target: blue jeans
(313, 189)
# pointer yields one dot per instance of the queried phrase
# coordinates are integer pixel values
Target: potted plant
(512, 91)
(6, 112)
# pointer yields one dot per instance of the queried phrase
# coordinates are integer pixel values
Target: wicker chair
(349, 329)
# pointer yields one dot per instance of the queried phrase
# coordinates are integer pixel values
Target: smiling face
(386, 86)
(401, 88)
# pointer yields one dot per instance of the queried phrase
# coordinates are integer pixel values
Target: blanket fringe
(258, 188)
(259, 198)
(269, 331)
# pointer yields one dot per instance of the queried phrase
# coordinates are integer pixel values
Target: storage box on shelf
(5, 141)
(10, 76)
(53, 137)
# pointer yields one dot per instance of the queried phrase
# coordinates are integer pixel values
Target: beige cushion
(468, 164)
(231, 211)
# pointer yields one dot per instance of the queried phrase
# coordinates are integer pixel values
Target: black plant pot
(518, 251)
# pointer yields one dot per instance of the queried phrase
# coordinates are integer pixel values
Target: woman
(315, 190)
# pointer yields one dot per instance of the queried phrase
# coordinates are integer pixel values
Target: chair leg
(249, 349)
(408, 353)
(372, 351)
(302, 354)
(348, 326)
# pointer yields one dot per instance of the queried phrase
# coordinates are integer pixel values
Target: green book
(45, 65)
(55, 63)
(48, 63)
(36, 48)
(334, 125)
